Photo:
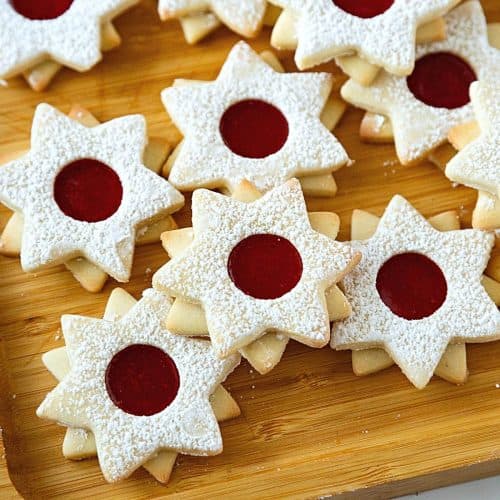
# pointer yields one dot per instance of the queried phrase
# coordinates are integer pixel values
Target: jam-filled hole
(411, 285)
(142, 380)
(88, 190)
(364, 8)
(253, 128)
(441, 80)
(41, 9)
(265, 266)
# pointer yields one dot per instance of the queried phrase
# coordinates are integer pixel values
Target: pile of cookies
(256, 268)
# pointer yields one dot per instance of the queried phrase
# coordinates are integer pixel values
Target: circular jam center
(265, 266)
(142, 380)
(88, 190)
(411, 285)
(441, 80)
(253, 128)
(41, 9)
(364, 8)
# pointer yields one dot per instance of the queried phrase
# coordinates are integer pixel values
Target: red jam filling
(364, 8)
(88, 190)
(142, 380)
(265, 266)
(41, 9)
(411, 285)
(253, 128)
(441, 80)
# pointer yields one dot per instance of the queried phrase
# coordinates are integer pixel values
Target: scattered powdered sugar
(243, 17)
(26, 185)
(467, 315)
(235, 319)
(477, 165)
(74, 38)
(205, 161)
(419, 128)
(325, 31)
(125, 442)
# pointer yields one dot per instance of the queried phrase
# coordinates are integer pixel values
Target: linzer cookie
(265, 353)
(417, 290)
(200, 18)
(477, 165)
(253, 123)
(130, 390)
(84, 194)
(257, 267)
(453, 364)
(38, 37)
(381, 32)
(424, 106)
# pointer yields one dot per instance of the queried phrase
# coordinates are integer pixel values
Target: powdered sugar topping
(477, 165)
(467, 315)
(205, 161)
(50, 237)
(419, 128)
(125, 442)
(235, 319)
(72, 39)
(325, 31)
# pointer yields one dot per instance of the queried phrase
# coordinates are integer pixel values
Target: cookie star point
(477, 165)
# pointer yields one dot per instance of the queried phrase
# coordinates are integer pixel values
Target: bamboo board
(310, 427)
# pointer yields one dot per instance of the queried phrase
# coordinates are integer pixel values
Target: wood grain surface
(310, 427)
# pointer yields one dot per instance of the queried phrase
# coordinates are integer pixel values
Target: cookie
(424, 106)
(200, 18)
(168, 407)
(91, 277)
(453, 364)
(265, 353)
(284, 37)
(382, 33)
(477, 163)
(98, 221)
(67, 33)
(253, 123)
(256, 267)
(416, 291)
(80, 444)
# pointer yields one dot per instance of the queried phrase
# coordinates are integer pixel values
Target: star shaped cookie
(70, 36)
(245, 18)
(286, 108)
(80, 444)
(129, 429)
(84, 191)
(477, 165)
(421, 119)
(417, 290)
(383, 36)
(257, 266)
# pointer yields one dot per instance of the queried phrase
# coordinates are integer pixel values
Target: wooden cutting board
(310, 427)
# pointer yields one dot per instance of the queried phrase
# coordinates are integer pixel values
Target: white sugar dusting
(235, 319)
(204, 160)
(74, 38)
(125, 442)
(326, 31)
(467, 315)
(26, 185)
(419, 128)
